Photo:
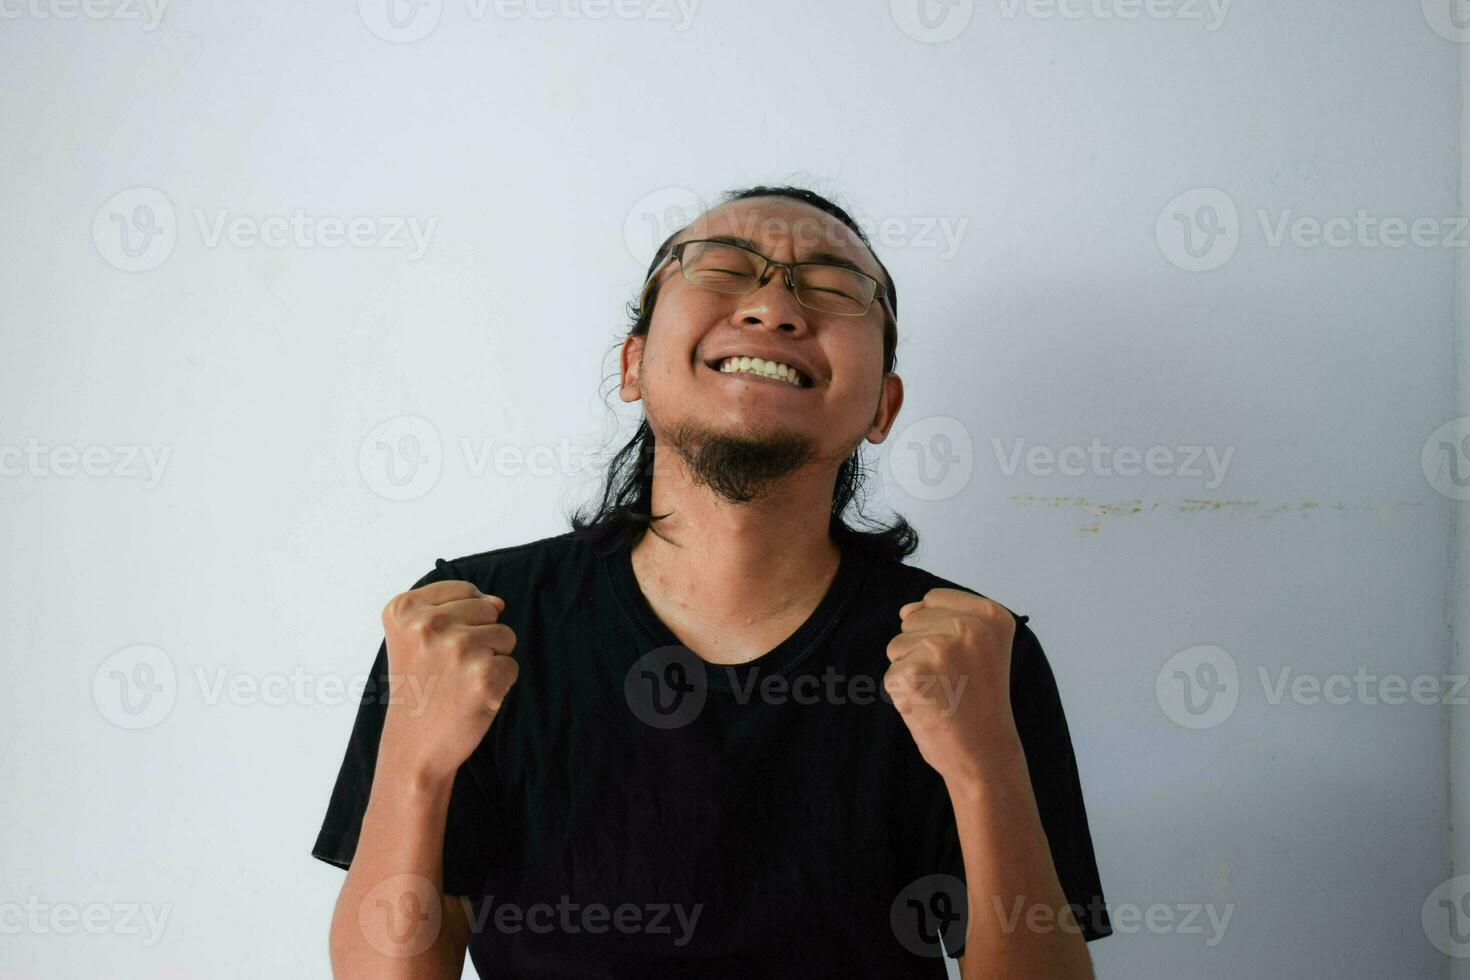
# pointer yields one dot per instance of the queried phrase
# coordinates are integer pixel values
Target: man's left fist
(950, 679)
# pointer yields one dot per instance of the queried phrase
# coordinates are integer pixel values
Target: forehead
(779, 227)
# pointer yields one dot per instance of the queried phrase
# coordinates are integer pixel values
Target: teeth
(766, 369)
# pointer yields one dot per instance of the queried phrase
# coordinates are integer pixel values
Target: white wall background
(1053, 145)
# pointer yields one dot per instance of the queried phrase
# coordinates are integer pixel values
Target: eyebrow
(831, 258)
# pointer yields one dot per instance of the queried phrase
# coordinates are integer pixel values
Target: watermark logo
(136, 687)
(1199, 230)
(932, 21)
(657, 215)
(401, 21)
(933, 459)
(135, 230)
(1450, 19)
(1201, 686)
(402, 458)
(666, 688)
(1198, 687)
(401, 916)
(1446, 459)
(930, 915)
(1446, 917)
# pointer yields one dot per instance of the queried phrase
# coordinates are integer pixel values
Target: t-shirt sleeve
(466, 857)
(1047, 743)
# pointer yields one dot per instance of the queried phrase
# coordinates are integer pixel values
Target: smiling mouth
(755, 367)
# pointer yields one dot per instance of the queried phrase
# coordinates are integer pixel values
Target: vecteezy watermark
(661, 213)
(401, 917)
(1211, 13)
(402, 458)
(1159, 918)
(1098, 459)
(150, 12)
(657, 215)
(1200, 687)
(1450, 19)
(668, 687)
(942, 233)
(38, 918)
(135, 687)
(124, 462)
(568, 917)
(932, 21)
(303, 230)
(1445, 916)
(932, 458)
(136, 230)
(406, 21)
(303, 688)
(1200, 230)
(930, 915)
(1446, 459)
(138, 686)
(937, 21)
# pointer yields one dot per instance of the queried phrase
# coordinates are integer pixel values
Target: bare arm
(1020, 922)
(385, 924)
(392, 920)
(1020, 925)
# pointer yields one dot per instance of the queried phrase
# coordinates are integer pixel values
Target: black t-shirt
(635, 812)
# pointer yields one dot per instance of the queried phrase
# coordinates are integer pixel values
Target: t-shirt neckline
(781, 659)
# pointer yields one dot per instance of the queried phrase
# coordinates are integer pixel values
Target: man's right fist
(447, 645)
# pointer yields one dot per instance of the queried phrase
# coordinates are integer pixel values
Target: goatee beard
(737, 468)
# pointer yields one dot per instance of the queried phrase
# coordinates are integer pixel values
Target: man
(716, 731)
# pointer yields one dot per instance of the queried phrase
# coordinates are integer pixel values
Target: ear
(630, 365)
(890, 400)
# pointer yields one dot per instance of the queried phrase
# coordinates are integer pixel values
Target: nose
(773, 304)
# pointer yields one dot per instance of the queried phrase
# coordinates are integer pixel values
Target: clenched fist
(446, 641)
(950, 679)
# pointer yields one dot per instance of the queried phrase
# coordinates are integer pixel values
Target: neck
(737, 564)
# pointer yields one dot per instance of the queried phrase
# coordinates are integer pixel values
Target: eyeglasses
(729, 268)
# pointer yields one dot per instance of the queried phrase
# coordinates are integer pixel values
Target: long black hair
(624, 513)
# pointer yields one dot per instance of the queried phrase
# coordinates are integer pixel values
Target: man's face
(767, 426)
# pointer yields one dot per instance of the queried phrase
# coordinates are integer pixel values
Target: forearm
(1020, 925)
(391, 921)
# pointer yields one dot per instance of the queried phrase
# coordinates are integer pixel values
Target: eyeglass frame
(788, 270)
